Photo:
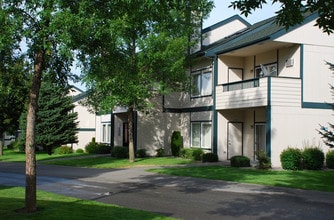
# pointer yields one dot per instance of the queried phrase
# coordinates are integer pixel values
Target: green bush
(10, 146)
(176, 143)
(141, 153)
(97, 148)
(79, 151)
(264, 160)
(120, 152)
(313, 158)
(160, 152)
(91, 147)
(63, 150)
(330, 159)
(240, 161)
(20, 145)
(191, 153)
(209, 157)
(291, 159)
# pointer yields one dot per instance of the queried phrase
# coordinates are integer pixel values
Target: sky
(222, 12)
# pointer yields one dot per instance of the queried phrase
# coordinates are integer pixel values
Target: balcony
(254, 93)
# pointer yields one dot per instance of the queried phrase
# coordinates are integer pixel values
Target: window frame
(198, 85)
(201, 134)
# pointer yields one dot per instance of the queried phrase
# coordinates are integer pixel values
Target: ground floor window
(106, 132)
(201, 135)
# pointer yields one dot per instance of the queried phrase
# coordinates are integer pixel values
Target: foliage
(97, 148)
(141, 153)
(291, 159)
(240, 161)
(264, 160)
(176, 143)
(63, 150)
(327, 134)
(79, 151)
(191, 153)
(330, 159)
(160, 152)
(209, 157)
(291, 12)
(120, 152)
(56, 121)
(313, 158)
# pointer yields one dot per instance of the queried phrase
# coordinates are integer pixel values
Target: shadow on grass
(51, 206)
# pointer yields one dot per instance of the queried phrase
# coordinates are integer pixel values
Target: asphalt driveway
(180, 197)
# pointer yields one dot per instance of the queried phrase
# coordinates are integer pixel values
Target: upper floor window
(266, 70)
(201, 82)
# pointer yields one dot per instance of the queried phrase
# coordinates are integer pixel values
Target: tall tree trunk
(30, 194)
(2, 143)
(131, 144)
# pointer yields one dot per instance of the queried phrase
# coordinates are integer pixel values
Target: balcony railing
(245, 84)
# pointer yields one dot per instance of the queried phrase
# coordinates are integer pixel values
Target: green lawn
(309, 180)
(54, 207)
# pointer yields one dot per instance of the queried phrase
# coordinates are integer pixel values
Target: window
(201, 135)
(106, 132)
(266, 70)
(201, 82)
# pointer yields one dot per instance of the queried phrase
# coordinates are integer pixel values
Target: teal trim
(314, 105)
(317, 105)
(86, 129)
(185, 110)
(268, 119)
(215, 113)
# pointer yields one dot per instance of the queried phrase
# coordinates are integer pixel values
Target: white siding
(286, 92)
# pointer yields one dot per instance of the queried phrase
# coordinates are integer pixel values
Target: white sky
(222, 12)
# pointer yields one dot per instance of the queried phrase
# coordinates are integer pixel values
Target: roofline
(217, 50)
(223, 22)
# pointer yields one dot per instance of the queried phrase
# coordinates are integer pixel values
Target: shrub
(120, 152)
(79, 151)
(141, 153)
(160, 152)
(313, 158)
(176, 143)
(103, 148)
(209, 157)
(240, 161)
(191, 153)
(10, 146)
(63, 150)
(264, 160)
(91, 147)
(291, 159)
(20, 145)
(330, 159)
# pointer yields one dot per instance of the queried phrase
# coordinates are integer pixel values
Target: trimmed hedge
(330, 159)
(176, 143)
(141, 153)
(191, 153)
(97, 148)
(160, 152)
(120, 152)
(240, 161)
(291, 159)
(313, 158)
(63, 150)
(264, 160)
(209, 157)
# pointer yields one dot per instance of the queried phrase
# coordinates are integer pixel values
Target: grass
(17, 156)
(86, 160)
(53, 207)
(308, 180)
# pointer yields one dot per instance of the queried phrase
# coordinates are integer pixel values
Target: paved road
(180, 197)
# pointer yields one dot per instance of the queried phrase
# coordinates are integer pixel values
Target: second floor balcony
(259, 92)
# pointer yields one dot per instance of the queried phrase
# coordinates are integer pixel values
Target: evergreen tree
(327, 134)
(56, 122)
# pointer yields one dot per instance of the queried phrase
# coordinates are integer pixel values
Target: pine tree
(56, 122)
(327, 134)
